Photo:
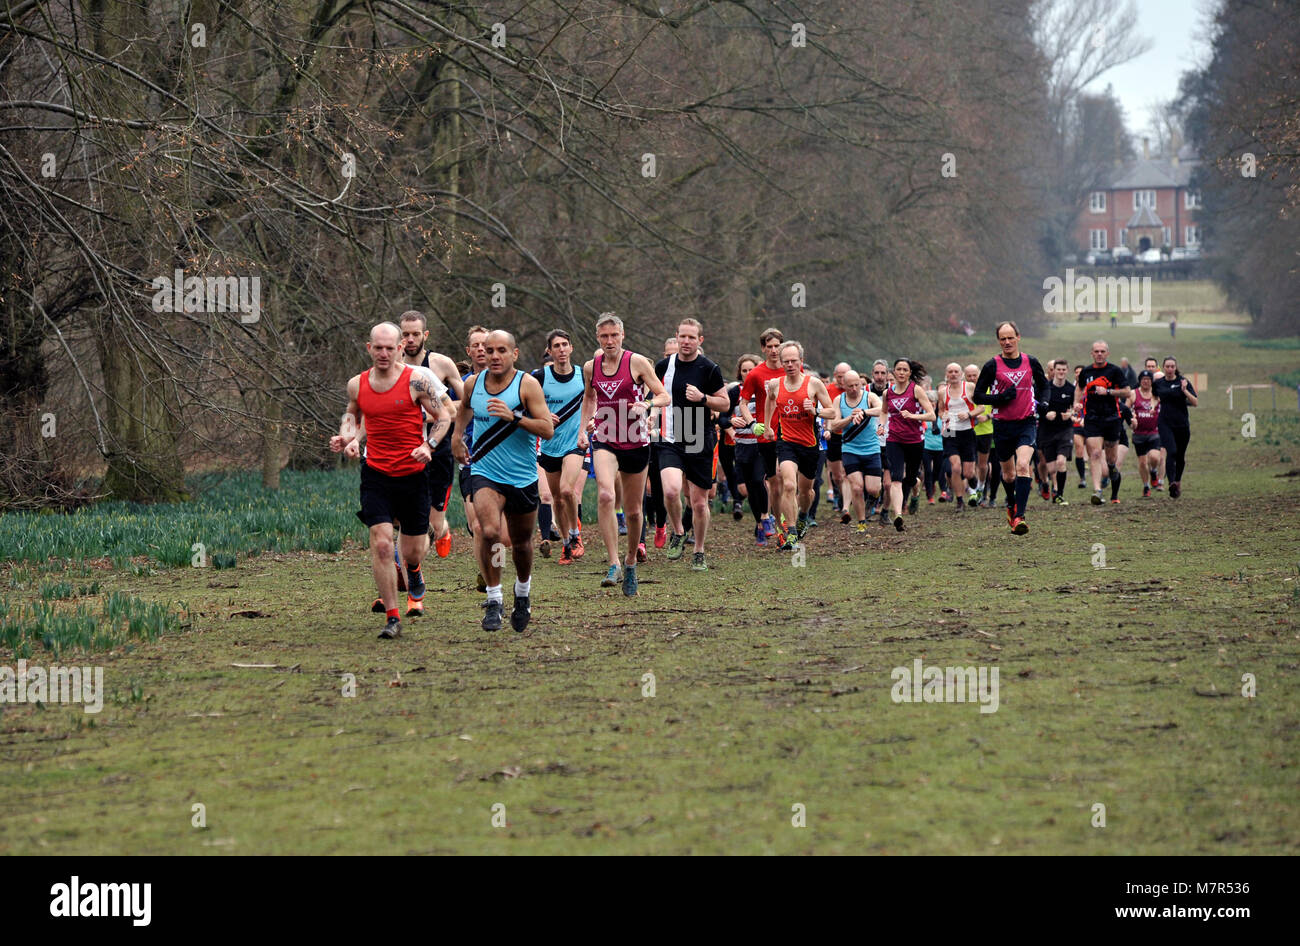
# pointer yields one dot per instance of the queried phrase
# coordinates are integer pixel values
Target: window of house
(1191, 200)
(1097, 202)
(1097, 239)
(1144, 199)
(1191, 235)
(1164, 237)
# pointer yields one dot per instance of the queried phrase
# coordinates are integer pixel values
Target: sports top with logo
(1020, 378)
(563, 393)
(696, 431)
(614, 393)
(902, 430)
(394, 425)
(796, 423)
(444, 445)
(1146, 413)
(1099, 403)
(513, 460)
(859, 439)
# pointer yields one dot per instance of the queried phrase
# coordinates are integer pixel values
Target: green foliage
(121, 618)
(231, 515)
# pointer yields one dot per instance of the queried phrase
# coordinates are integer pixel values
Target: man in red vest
(394, 484)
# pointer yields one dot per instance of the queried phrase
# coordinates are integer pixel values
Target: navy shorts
(1010, 435)
(1145, 443)
(961, 443)
(805, 458)
(867, 466)
(440, 471)
(555, 464)
(1107, 428)
(633, 460)
(520, 500)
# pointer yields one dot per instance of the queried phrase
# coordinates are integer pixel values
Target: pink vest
(614, 393)
(1022, 380)
(902, 430)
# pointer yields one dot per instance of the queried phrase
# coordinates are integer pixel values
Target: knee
(605, 496)
(382, 546)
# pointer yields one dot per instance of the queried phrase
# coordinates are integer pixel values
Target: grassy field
(1119, 686)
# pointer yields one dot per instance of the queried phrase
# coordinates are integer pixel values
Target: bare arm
(347, 440)
(464, 414)
(538, 423)
(588, 404)
(644, 373)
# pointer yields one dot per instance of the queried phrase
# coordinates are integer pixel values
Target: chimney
(1146, 149)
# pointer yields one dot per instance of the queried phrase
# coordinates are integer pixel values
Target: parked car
(1121, 254)
(1152, 255)
(1098, 258)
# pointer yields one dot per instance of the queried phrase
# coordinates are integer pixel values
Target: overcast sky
(1177, 29)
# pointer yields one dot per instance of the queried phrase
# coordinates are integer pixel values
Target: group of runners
(662, 438)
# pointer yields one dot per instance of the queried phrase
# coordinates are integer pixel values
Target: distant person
(1173, 327)
(1129, 374)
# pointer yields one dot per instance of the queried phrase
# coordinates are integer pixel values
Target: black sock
(1061, 477)
(1009, 487)
(1078, 465)
(688, 518)
(544, 519)
(1024, 486)
(1115, 477)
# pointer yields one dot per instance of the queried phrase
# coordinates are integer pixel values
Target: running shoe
(545, 548)
(1019, 527)
(1096, 498)
(414, 607)
(491, 615)
(377, 606)
(1045, 492)
(943, 497)
(688, 539)
(661, 537)
(800, 529)
(622, 524)
(960, 505)
(916, 502)
(862, 526)
(641, 555)
(393, 629)
(629, 581)
(1158, 486)
(1146, 492)
(931, 501)
(760, 535)
(566, 556)
(676, 546)
(1105, 480)
(898, 523)
(443, 546)
(520, 613)
(769, 525)
(415, 585)
(884, 515)
(576, 548)
(846, 518)
(1115, 501)
(1175, 490)
(1011, 515)
(737, 511)
(783, 540)
(812, 523)
(698, 564)
(612, 577)
(1081, 484)
(1060, 500)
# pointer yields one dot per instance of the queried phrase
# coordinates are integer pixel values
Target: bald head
(386, 329)
(501, 352)
(502, 335)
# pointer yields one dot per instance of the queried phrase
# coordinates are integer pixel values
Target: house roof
(1144, 217)
(1155, 172)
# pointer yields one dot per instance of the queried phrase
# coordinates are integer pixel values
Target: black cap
(1146, 373)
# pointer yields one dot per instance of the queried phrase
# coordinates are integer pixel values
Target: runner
(956, 407)
(834, 458)
(794, 401)
(687, 438)
(1176, 394)
(1146, 430)
(561, 456)
(509, 411)
(909, 410)
(1013, 383)
(932, 461)
(1041, 475)
(982, 418)
(879, 385)
(616, 417)
(442, 468)
(1056, 429)
(476, 349)
(657, 511)
(1100, 387)
(854, 416)
(1080, 447)
(729, 424)
(749, 462)
(388, 400)
(754, 390)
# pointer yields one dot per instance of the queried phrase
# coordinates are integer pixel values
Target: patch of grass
(121, 618)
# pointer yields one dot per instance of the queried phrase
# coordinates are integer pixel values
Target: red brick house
(1145, 203)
